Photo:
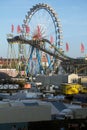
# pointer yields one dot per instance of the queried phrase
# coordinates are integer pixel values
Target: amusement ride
(40, 43)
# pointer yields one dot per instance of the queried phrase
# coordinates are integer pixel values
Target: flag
(18, 29)
(12, 28)
(39, 32)
(67, 47)
(82, 48)
(51, 39)
(27, 29)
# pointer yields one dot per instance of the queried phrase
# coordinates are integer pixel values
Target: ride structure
(41, 34)
(40, 19)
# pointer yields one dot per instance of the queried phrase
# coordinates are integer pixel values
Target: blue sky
(72, 13)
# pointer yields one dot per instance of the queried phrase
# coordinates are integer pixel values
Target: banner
(67, 47)
(82, 48)
(12, 28)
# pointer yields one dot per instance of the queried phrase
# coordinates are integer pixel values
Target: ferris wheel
(41, 22)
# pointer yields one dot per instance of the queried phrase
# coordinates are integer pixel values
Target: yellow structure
(84, 90)
(70, 88)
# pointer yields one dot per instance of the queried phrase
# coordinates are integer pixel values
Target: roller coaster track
(36, 44)
(66, 62)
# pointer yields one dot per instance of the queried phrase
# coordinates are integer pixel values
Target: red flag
(12, 28)
(18, 29)
(82, 48)
(51, 39)
(67, 47)
(39, 32)
(27, 29)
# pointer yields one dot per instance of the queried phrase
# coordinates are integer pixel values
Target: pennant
(12, 28)
(18, 29)
(51, 39)
(39, 32)
(82, 48)
(67, 47)
(27, 29)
